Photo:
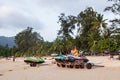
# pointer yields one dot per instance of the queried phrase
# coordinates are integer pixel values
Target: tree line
(93, 34)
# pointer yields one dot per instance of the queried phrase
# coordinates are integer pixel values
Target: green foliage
(93, 33)
(106, 45)
(89, 23)
(114, 8)
(27, 41)
(65, 33)
(5, 51)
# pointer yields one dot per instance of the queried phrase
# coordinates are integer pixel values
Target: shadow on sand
(1, 74)
(43, 64)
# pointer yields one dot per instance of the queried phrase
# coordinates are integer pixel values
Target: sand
(19, 70)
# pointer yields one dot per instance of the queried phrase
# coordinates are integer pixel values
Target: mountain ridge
(7, 41)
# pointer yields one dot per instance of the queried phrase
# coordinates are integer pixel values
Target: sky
(42, 15)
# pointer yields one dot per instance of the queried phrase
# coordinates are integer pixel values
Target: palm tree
(67, 24)
(100, 23)
(86, 28)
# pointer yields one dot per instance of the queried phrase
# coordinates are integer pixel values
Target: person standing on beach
(111, 56)
(13, 58)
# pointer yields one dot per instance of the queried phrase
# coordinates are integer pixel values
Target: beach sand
(19, 70)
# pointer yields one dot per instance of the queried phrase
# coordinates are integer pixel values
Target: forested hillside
(4, 41)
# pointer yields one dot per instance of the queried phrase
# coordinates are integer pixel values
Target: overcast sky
(42, 15)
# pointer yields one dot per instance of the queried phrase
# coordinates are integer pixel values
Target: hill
(7, 40)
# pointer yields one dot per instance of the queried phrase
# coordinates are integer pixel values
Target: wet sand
(19, 70)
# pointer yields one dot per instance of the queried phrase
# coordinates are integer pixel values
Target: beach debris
(10, 70)
(25, 68)
(1, 74)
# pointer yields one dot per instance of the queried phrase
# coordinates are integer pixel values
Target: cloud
(11, 18)
(42, 15)
(72, 6)
(5, 11)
